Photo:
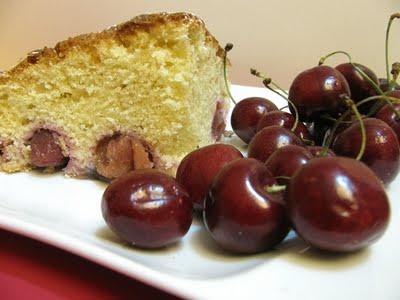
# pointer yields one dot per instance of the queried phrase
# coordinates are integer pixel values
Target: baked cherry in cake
(119, 154)
(45, 150)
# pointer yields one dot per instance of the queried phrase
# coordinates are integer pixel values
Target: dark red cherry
(147, 208)
(384, 85)
(269, 139)
(197, 170)
(360, 88)
(382, 152)
(240, 214)
(387, 115)
(247, 113)
(318, 91)
(287, 160)
(337, 204)
(286, 120)
(318, 151)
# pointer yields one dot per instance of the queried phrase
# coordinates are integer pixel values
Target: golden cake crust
(87, 42)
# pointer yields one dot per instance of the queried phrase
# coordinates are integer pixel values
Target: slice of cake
(141, 94)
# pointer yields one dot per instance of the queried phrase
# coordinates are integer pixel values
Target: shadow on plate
(293, 250)
(297, 251)
(205, 246)
(107, 235)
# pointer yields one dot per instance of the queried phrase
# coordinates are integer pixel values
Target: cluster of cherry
(321, 169)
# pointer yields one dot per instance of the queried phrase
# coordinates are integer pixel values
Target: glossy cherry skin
(318, 151)
(147, 208)
(286, 120)
(287, 160)
(269, 139)
(317, 91)
(387, 115)
(240, 215)
(337, 204)
(247, 113)
(197, 169)
(382, 152)
(360, 88)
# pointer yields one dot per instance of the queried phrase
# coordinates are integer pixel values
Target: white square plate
(66, 213)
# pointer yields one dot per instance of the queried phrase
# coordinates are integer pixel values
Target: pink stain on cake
(219, 120)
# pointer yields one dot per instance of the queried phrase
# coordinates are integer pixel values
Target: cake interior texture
(157, 78)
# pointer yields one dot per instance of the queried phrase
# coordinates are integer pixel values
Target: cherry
(360, 88)
(269, 139)
(317, 91)
(384, 85)
(147, 208)
(382, 151)
(318, 151)
(286, 120)
(197, 169)
(240, 214)
(287, 160)
(46, 151)
(387, 115)
(337, 204)
(247, 113)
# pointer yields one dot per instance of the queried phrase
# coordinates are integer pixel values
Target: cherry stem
(379, 105)
(362, 73)
(263, 77)
(283, 107)
(353, 107)
(392, 17)
(395, 74)
(308, 142)
(228, 48)
(275, 188)
(266, 82)
(329, 141)
(334, 120)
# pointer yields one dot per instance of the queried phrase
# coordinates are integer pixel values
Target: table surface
(33, 270)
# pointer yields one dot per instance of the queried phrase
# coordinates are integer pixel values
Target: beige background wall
(279, 37)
